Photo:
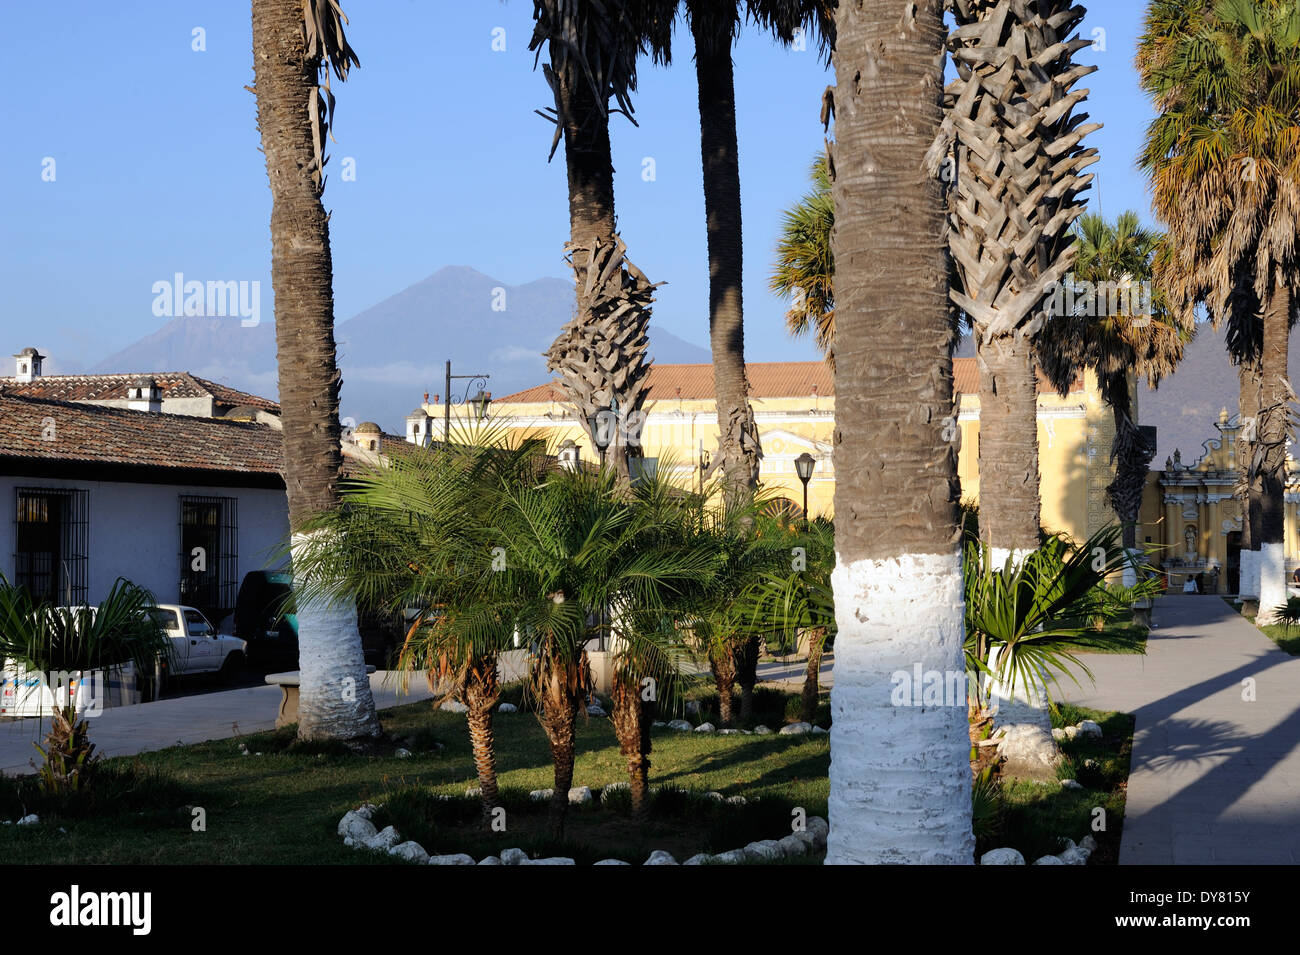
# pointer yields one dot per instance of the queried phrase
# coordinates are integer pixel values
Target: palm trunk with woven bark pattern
(632, 717)
(481, 693)
(723, 667)
(811, 694)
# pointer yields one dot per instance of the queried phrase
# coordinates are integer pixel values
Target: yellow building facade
(794, 407)
(1191, 521)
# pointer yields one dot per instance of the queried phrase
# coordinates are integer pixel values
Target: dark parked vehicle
(265, 617)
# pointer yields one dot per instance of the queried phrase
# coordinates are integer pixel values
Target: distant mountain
(393, 352)
(1187, 404)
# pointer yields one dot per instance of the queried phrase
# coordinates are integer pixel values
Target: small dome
(144, 381)
(241, 413)
(417, 413)
(368, 427)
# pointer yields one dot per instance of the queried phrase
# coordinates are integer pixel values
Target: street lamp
(479, 402)
(803, 466)
(602, 431)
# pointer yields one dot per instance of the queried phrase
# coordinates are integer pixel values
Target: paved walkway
(1215, 779)
(127, 730)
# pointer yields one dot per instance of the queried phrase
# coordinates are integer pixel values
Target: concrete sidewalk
(127, 730)
(1215, 777)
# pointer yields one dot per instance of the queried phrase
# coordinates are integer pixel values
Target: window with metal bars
(50, 538)
(209, 556)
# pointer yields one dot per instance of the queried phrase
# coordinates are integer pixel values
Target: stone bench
(288, 683)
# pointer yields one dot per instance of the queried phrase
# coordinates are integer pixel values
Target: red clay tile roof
(93, 433)
(771, 379)
(171, 384)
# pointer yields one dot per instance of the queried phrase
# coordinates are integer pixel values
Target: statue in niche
(1189, 538)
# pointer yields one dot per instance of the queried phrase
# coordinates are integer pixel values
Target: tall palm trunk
(481, 692)
(900, 777)
(1274, 429)
(1008, 447)
(335, 701)
(739, 450)
(632, 717)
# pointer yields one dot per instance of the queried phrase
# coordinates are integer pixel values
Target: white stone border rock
(1071, 855)
(359, 832)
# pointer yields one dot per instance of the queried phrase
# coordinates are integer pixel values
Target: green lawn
(283, 806)
(282, 803)
(1034, 816)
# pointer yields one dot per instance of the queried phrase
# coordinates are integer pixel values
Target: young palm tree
(68, 644)
(804, 269)
(573, 543)
(799, 601)
(1119, 344)
(295, 44)
(600, 354)
(1222, 159)
(900, 777)
(1012, 150)
(413, 537)
(744, 544)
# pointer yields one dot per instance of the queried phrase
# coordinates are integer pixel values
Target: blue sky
(157, 166)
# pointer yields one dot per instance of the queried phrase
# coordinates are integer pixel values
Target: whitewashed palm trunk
(1023, 721)
(900, 782)
(1271, 577)
(1249, 573)
(334, 698)
(1020, 713)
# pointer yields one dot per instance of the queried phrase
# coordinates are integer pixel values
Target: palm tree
(573, 543)
(1222, 159)
(1118, 344)
(799, 601)
(67, 645)
(295, 44)
(1012, 148)
(900, 780)
(744, 544)
(600, 354)
(804, 269)
(714, 26)
(413, 537)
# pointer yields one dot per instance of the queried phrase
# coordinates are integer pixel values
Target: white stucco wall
(133, 531)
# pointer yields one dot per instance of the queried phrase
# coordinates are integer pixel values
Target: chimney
(28, 364)
(143, 394)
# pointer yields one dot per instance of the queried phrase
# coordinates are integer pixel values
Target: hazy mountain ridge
(394, 351)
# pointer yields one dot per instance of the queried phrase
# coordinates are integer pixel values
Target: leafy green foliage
(1037, 612)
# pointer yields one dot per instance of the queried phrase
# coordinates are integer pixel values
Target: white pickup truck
(196, 647)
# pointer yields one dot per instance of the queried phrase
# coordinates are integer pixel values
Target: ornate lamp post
(803, 466)
(479, 402)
